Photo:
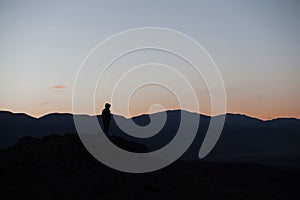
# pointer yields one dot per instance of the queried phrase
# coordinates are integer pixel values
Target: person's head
(107, 105)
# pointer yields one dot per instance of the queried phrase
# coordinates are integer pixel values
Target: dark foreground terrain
(59, 167)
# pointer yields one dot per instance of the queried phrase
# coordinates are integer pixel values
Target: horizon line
(233, 113)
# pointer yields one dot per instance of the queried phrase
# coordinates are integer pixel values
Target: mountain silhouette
(244, 139)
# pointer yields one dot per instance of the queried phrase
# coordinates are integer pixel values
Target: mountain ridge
(145, 114)
(243, 138)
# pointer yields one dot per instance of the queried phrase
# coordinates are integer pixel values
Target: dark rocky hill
(59, 167)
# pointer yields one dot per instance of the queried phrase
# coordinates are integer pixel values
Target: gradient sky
(256, 45)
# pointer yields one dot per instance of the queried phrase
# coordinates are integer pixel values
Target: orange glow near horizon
(265, 108)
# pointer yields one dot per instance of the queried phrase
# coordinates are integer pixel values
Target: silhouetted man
(106, 117)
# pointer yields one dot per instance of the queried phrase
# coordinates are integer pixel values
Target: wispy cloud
(44, 103)
(59, 87)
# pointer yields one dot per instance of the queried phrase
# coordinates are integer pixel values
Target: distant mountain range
(244, 139)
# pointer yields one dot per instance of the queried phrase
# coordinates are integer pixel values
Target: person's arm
(109, 115)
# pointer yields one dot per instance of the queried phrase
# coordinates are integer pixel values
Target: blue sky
(255, 44)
